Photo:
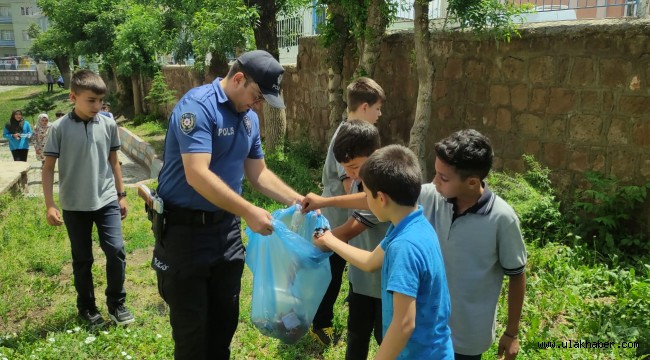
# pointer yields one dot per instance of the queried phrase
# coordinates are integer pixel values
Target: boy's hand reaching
(123, 208)
(311, 202)
(320, 238)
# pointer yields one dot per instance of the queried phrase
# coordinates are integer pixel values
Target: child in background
(40, 134)
(415, 299)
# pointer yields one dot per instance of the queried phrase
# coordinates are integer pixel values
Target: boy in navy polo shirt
(90, 191)
(415, 299)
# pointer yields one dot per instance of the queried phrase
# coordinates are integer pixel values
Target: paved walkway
(132, 172)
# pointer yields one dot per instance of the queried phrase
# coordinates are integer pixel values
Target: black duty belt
(180, 216)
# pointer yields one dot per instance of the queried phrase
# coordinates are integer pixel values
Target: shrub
(607, 212)
(532, 197)
(41, 103)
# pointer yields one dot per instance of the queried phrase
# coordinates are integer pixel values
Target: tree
(266, 38)
(485, 18)
(49, 46)
(426, 72)
(369, 37)
(136, 42)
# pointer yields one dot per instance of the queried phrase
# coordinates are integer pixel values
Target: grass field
(573, 293)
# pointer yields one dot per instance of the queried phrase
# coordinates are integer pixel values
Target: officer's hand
(123, 208)
(54, 216)
(259, 220)
(311, 202)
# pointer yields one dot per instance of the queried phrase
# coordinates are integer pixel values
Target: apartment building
(15, 19)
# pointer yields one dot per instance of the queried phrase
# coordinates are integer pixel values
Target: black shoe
(121, 315)
(325, 335)
(92, 317)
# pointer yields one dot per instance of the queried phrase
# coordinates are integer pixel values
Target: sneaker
(325, 335)
(121, 315)
(92, 317)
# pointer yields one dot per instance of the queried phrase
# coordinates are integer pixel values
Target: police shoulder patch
(248, 125)
(187, 122)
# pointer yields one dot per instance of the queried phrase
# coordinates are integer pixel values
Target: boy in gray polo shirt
(481, 242)
(90, 191)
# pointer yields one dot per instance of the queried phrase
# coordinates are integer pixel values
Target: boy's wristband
(509, 335)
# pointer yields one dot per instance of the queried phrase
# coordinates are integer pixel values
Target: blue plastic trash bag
(290, 274)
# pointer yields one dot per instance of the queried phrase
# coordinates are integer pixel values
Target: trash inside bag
(290, 274)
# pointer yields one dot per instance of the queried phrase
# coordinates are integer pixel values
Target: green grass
(19, 97)
(571, 294)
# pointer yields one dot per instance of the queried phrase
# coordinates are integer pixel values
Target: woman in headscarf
(40, 134)
(18, 132)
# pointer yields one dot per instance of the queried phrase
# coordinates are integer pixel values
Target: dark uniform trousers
(199, 268)
(364, 319)
(324, 316)
(109, 227)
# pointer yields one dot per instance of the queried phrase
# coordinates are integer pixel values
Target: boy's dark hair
(356, 138)
(85, 79)
(364, 90)
(468, 151)
(395, 171)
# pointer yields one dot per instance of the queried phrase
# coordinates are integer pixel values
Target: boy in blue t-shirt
(415, 299)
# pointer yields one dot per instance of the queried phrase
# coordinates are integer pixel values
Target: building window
(26, 10)
(26, 35)
(7, 34)
(5, 11)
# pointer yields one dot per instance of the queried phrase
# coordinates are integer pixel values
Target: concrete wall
(19, 77)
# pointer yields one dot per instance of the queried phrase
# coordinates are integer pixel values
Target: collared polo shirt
(413, 266)
(363, 282)
(204, 121)
(86, 180)
(332, 180)
(479, 248)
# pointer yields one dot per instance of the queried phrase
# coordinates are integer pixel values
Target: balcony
(5, 20)
(7, 43)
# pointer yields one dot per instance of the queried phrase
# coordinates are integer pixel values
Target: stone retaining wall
(19, 77)
(140, 151)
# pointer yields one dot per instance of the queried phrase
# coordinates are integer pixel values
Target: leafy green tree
(160, 94)
(265, 31)
(136, 42)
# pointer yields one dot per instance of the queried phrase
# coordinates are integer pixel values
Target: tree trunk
(137, 97)
(63, 63)
(266, 38)
(375, 28)
(335, 57)
(218, 67)
(425, 70)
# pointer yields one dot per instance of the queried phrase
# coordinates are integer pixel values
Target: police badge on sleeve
(187, 122)
(248, 125)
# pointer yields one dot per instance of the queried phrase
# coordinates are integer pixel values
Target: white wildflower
(158, 336)
(90, 339)
(51, 340)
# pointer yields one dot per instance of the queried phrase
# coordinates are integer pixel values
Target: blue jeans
(109, 226)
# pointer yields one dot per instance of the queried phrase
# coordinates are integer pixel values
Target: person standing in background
(50, 81)
(40, 133)
(18, 132)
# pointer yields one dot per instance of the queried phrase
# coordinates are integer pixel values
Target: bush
(607, 213)
(41, 103)
(532, 197)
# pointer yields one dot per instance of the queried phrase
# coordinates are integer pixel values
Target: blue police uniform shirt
(204, 121)
(413, 266)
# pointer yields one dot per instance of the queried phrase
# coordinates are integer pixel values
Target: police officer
(212, 141)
